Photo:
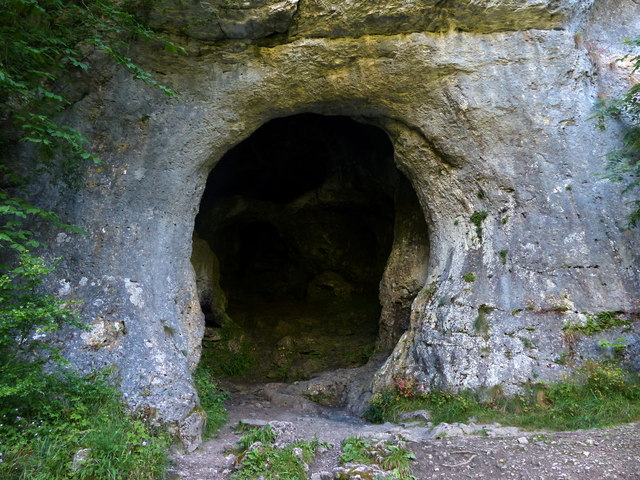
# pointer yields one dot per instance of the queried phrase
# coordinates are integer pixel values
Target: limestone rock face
(490, 123)
(218, 19)
(354, 18)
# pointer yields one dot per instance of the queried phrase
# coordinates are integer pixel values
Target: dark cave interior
(298, 221)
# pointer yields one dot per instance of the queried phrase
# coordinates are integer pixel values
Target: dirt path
(594, 454)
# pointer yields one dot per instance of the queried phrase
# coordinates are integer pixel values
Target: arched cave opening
(294, 232)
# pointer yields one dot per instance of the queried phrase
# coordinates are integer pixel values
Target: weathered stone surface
(354, 18)
(496, 122)
(219, 19)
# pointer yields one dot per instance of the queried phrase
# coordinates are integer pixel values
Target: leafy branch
(623, 164)
(42, 41)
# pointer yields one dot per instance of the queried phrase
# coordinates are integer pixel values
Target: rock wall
(488, 106)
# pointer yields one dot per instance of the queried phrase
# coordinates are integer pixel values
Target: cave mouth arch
(293, 249)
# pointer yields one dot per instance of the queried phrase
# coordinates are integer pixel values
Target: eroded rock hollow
(295, 229)
(473, 117)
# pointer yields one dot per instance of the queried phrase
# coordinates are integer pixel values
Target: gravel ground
(612, 453)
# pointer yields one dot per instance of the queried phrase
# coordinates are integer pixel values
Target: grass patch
(41, 432)
(211, 400)
(599, 322)
(384, 455)
(265, 461)
(598, 395)
(469, 277)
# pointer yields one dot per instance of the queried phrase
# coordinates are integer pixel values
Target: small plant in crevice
(599, 322)
(469, 277)
(481, 323)
(477, 218)
(527, 342)
(564, 358)
(503, 256)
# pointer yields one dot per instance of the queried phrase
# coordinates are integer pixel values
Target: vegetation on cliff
(54, 424)
(623, 164)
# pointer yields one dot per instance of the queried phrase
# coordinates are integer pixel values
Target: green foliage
(265, 435)
(43, 41)
(381, 407)
(211, 400)
(383, 454)
(527, 342)
(469, 277)
(268, 462)
(231, 356)
(623, 165)
(40, 434)
(477, 218)
(595, 396)
(48, 416)
(357, 450)
(618, 345)
(503, 256)
(398, 459)
(25, 317)
(598, 322)
(481, 323)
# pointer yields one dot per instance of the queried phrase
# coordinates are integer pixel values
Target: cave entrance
(294, 231)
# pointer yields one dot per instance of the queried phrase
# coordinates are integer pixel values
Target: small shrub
(357, 450)
(398, 459)
(469, 277)
(527, 342)
(477, 218)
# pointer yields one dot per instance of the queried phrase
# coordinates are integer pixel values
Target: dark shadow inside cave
(295, 228)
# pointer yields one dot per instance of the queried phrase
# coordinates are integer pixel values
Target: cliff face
(487, 106)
